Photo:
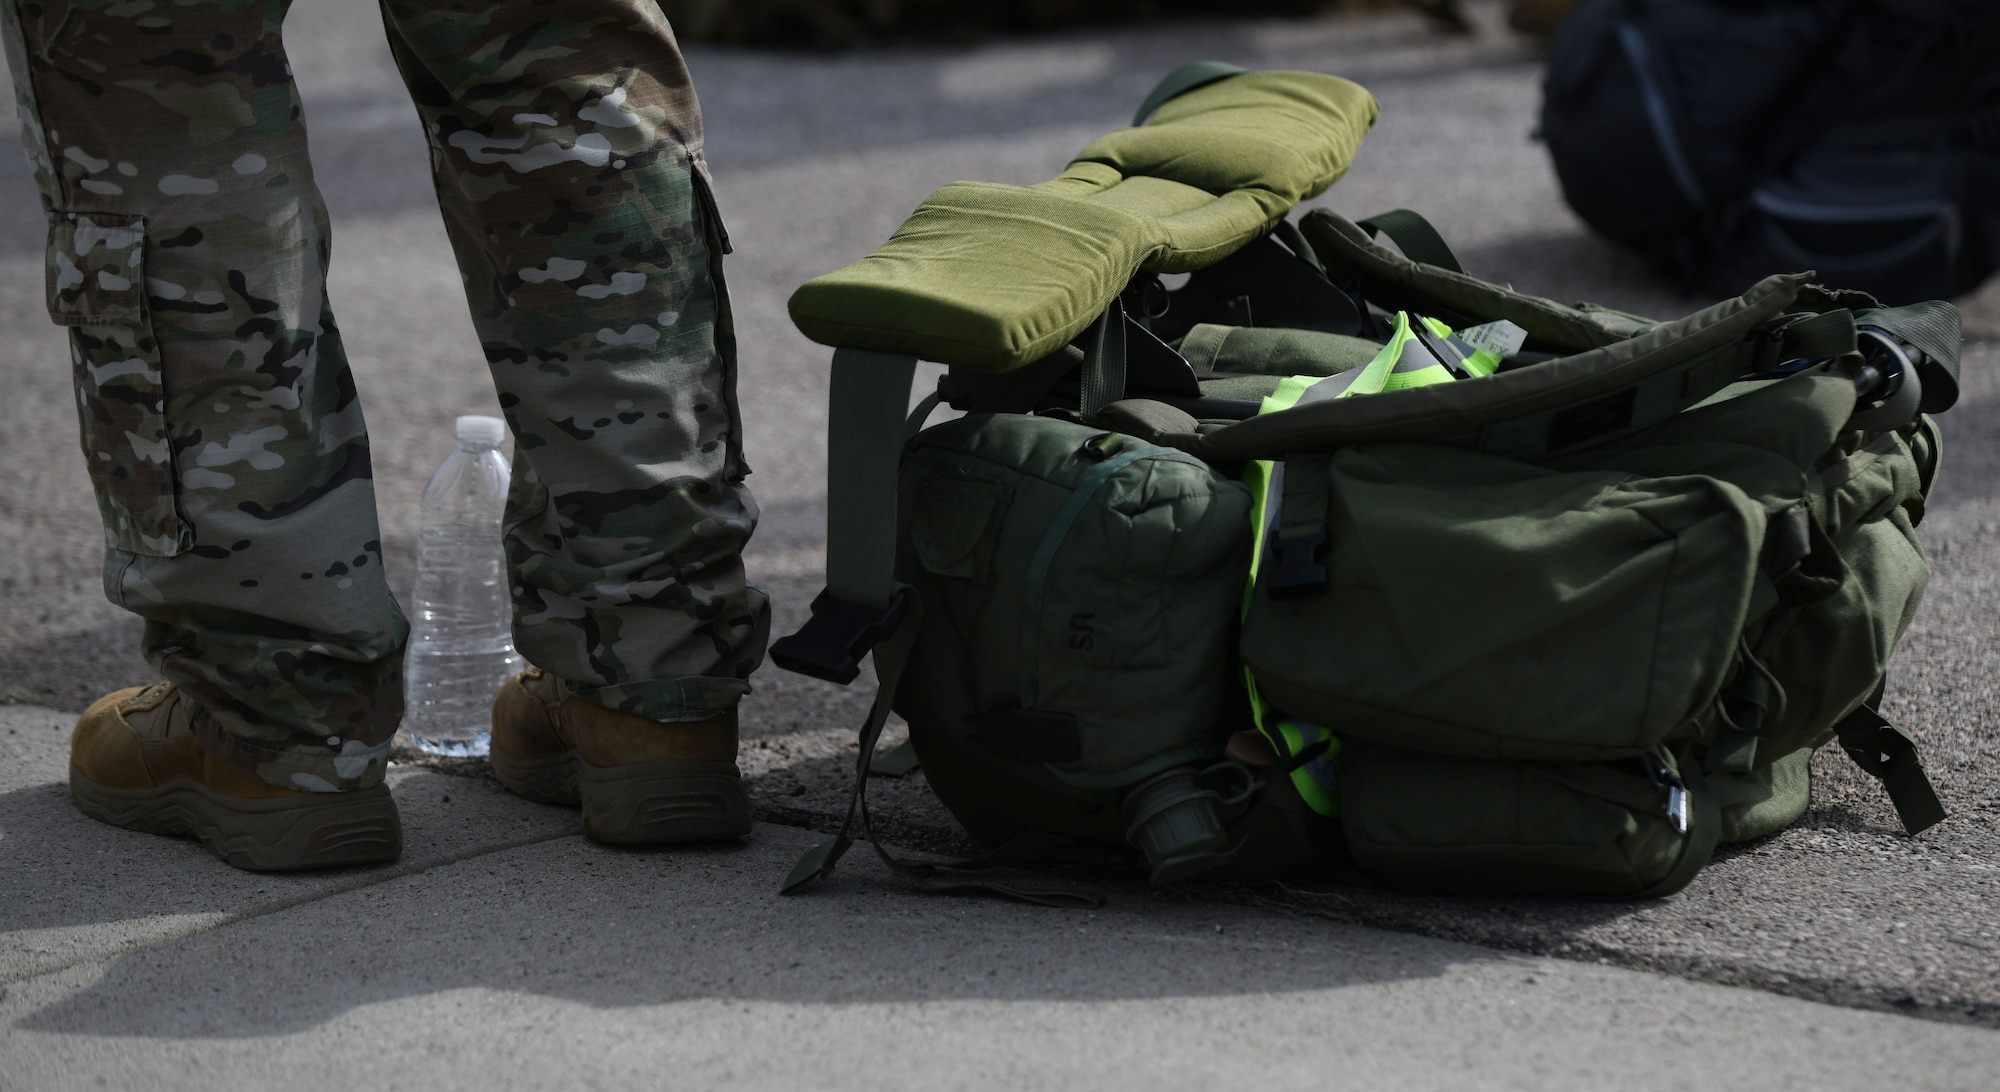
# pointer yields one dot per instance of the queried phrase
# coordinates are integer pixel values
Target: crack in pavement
(374, 877)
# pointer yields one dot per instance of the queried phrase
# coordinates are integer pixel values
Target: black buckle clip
(833, 641)
(1299, 565)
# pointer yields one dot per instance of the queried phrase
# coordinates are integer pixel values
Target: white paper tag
(1503, 339)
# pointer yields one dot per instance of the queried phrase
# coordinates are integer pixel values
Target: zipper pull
(1680, 810)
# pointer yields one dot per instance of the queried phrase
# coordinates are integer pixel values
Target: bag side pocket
(1490, 608)
(96, 288)
(1435, 823)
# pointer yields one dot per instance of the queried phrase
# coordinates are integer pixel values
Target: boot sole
(643, 804)
(312, 831)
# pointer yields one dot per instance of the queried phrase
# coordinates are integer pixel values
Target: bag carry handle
(1414, 236)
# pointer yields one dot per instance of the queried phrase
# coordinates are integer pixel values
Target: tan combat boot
(133, 763)
(639, 782)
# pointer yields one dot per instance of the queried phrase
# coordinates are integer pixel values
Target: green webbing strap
(1596, 421)
(891, 657)
(1295, 241)
(1045, 557)
(1732, 749)
(1753, 702)
(1182, 80)
(867, 405)
(1104, 362)
(1305, 489)
(1933, 327)
(1821, 337)
(898, 761)
(1414, 236)
(1305, 750)
(1888, 751)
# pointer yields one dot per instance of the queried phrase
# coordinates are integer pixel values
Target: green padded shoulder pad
(991, 277)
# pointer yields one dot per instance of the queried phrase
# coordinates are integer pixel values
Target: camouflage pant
(187, 256)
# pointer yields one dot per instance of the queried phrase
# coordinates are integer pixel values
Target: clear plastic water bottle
(461, 643)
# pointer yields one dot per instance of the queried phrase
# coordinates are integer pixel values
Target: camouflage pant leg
(567, 146)
(187, 257)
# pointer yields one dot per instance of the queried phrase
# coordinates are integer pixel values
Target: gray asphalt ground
(505, 949)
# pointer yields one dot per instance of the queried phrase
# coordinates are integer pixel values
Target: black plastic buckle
(833, 641)
(1299, 565)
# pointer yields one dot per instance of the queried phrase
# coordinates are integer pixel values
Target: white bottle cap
(481, 431)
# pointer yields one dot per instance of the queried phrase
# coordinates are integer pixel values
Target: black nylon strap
(1295, 241)
(1306, 754)
(1888, 751)
(1022, 389)
(1182, 80)
(1028, 735)
(1414, 236)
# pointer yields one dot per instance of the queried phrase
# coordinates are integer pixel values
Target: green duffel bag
(1536, 598)
(1729, 584)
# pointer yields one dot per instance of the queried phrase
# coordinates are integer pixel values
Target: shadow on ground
(613, 929)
